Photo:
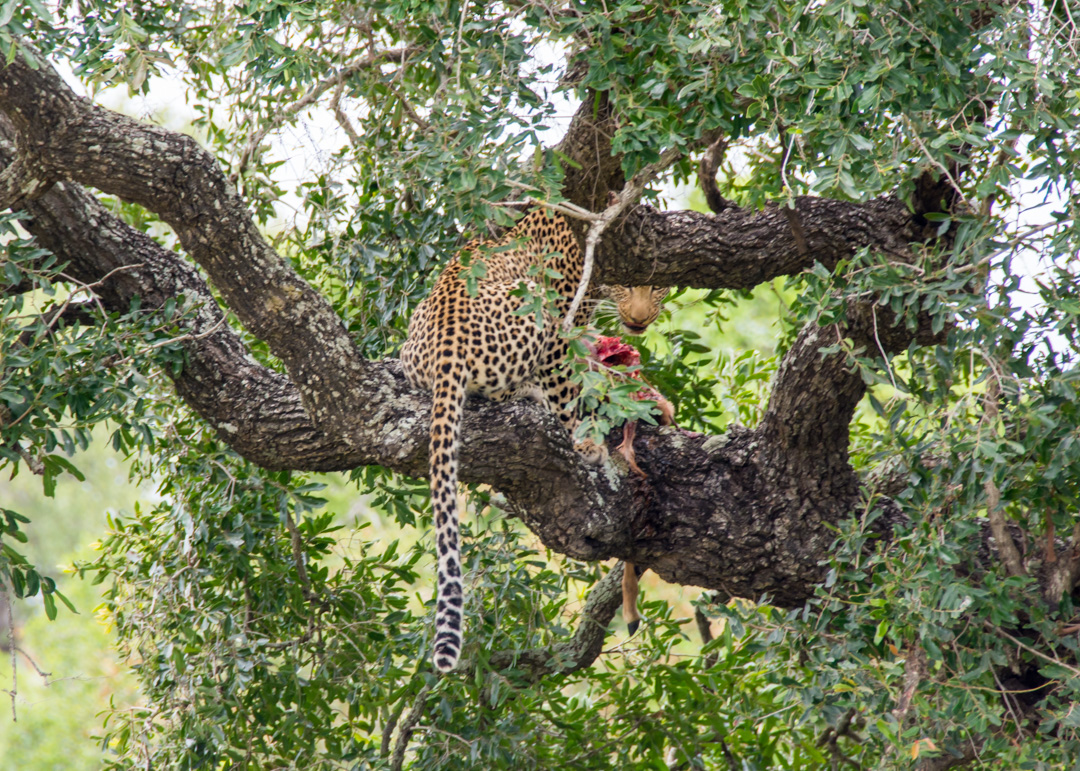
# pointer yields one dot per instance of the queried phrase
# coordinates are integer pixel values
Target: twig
(298, 557)
(630, 193)
(830, 738)
(881, 348)
(564, 207)
(914, 672)
(189, 336)
(1031, 650)
(1002, 157)
(61, 312)
(24, 286)
(74, 313)
(313, 94)
(1005, 546)
(41, 673)
(697, 762)
(929, 156)
(583, 648)
(1005, 696)
(782, 131)
(388, 731)
(87, 287)
(339, 114)
(1031, 233)
(421, 124)
(407, 728)
(33, 463)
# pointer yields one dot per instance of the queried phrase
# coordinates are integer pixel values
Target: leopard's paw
(591, 451)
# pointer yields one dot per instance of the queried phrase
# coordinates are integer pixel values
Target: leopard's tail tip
(446, 656)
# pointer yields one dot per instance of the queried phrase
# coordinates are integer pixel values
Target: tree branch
(707, 517)
(630, 194)
(69, 313)
(593, 173)
(1033, 651)
(741, 248)
(1064, 574)
(408, 726)
(171, 175)
(710, 164)
(733, 513)
(21, 181)
(336, 80)
(581, 650)
(915, 670)
(1002, 539)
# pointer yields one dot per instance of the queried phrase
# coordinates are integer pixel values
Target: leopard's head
(638, 305)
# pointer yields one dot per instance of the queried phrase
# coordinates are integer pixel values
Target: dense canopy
(880, 502)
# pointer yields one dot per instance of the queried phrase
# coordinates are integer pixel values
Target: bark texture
(744, 512)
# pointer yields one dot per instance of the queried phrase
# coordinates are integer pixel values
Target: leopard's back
(498, 347)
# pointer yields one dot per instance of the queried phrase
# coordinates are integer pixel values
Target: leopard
(638, 306)
(468, 337)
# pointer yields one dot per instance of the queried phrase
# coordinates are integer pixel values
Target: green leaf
(66, 602)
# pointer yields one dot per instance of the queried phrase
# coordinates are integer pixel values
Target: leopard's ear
(612, 292)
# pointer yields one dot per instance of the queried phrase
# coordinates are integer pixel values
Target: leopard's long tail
(448, 406)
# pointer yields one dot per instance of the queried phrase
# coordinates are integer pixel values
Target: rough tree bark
(743, 512)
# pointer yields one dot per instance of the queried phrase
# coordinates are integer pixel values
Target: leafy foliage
(267, 634)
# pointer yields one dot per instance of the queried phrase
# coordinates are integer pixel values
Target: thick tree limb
(741, 248)
(594, 173)
(915, 669)
(220, 381)
(169, 174)
(1063, 575)
(743, 512)
(736, 248)
(20, 181)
